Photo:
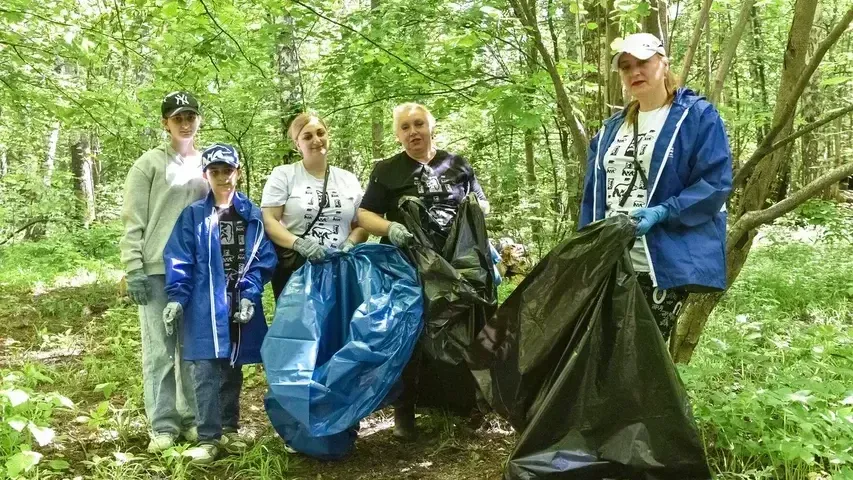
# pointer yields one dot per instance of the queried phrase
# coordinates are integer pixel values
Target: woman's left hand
(648, 217)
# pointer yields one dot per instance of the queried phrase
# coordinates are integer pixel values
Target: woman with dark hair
(665, 161)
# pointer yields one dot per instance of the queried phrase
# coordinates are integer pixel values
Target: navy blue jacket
(195, 277)
(691, 175)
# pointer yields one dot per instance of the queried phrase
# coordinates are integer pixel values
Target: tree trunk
(652, 21)
(4, 163)
(84, 184)
(564, 106)
(758, 65)
(529, 162)
(50, 154)
(695, 39)
(730, 50)
(377, 129)
(707, 68)
(755, 192)
(614, 83)
(290, 95)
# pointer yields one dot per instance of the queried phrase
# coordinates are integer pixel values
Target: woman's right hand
(310, 249)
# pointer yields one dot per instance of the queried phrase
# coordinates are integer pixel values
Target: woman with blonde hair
(310, 206)
(441, 180)
(665, 161)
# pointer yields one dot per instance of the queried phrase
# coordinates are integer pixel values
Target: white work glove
(172, 313)
(347, 245)
(399, 235)
(246, 312)
(310, 249)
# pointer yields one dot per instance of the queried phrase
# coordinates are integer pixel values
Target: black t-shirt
(232, 238)
(441, 184)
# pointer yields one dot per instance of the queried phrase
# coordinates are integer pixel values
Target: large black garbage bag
(456, 271)
(577, 364)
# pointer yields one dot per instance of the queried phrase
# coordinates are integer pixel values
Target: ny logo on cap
(181, 99)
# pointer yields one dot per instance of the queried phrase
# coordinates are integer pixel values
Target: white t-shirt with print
(299, 191)
(619, 167)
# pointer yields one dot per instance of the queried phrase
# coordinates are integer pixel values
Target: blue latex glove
(648, 217)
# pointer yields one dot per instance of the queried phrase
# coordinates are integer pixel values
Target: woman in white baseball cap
(665, 161)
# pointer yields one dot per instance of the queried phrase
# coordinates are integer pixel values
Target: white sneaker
(232, 442)
(190, 434)
(203, 454)
(160, 442)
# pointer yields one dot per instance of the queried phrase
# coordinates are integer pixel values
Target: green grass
(771, 382)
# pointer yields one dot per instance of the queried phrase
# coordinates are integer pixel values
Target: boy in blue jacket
(218, 260)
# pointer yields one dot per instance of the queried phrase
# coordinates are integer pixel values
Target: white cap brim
(641, 53)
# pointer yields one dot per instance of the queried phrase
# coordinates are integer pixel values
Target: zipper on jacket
(666, 154)
(235, 350)
(215, 218)
(598, 160)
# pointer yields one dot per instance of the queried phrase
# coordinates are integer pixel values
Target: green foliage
(836, 221)
(771, 383)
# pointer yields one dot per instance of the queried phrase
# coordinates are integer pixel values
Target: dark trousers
(409, 381)
(665, 304)
(217, 394)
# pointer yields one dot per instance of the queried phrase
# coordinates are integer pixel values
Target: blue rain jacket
(691, 175)
(344, 329)
(195, 277)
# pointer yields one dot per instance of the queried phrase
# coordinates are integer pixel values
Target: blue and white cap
(639, 45)
(220, 153)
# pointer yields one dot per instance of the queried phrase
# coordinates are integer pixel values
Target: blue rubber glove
(648, 217)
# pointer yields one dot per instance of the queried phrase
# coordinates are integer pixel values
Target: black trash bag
(457, 274)
(577, 364)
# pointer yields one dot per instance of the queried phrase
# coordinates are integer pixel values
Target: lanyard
(638, 169)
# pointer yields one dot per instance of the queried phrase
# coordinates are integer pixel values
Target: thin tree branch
(213, 19)
(28, 225)
(790, 138)
(731, 48)
(377, 45)
(756, 218)
(788, 109)
(64, 93)
(400, 95)
(694, 40)
(87, 29)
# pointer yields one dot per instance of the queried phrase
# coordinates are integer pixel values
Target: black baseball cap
(177, 102)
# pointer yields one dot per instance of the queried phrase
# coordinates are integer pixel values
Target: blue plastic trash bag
(343, 331)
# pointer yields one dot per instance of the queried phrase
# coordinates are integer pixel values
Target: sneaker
(190, 434)
(404, 424)
(160, 442)
(203, 454)
(232, 442)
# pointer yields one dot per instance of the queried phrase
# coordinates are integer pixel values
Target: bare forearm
(358, 235)
(373, 223)
(275, 230)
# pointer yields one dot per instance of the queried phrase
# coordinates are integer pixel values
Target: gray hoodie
(160, 184)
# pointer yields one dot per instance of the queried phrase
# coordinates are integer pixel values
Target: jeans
(217, 393)
(166, 379)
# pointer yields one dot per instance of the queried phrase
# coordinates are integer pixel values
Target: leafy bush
(771, 381)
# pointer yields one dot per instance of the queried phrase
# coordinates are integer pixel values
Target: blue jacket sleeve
(710, 180)
(587, 202)
(179, 259)
(260, 270)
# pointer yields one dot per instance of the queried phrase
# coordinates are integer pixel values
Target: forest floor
(770, 384)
